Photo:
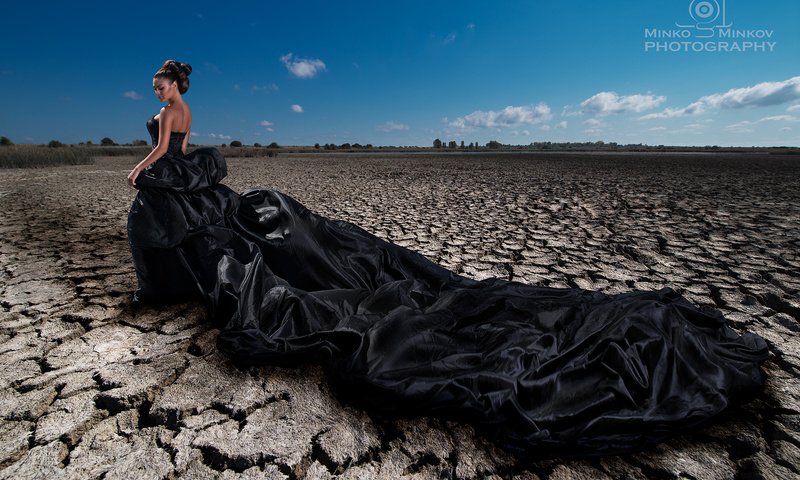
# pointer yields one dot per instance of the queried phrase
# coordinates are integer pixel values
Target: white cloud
(605, 103)
(297, 108)
(567, 111)
(211, 67)
(132, 95)
(302, 67)
(786, 129)
(507, 117)
(760, 95)
(695, 108)
(685, 129)
(657, 129)
(219, 136)
(470, 26)
(392, 127)
(562, 124)
(450, 38)
(744, 126)
(780, 118)
(595, 123)
(267, 124)
(774, 118)
(270, 87)
(793, 108)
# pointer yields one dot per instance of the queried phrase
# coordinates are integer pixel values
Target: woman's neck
(176, 101)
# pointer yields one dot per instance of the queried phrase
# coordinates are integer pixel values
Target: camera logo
(706, 16)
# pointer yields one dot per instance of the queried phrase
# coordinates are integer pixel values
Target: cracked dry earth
(90, 388)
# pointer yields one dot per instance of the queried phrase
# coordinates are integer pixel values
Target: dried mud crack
(92, 388)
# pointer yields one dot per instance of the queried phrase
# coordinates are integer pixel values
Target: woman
(175, 114)
(155, 224)
(542, 371)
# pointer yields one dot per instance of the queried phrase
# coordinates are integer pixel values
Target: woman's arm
(164, 127)
(186, 140)
(165, 119)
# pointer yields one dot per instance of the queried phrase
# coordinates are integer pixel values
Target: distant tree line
(343, 146)
(237, 143)
(452, 144)
(576, 146)
(437, 144)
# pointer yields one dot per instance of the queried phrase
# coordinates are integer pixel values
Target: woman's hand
(132, 176)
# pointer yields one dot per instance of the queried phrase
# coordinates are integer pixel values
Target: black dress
(541, 371)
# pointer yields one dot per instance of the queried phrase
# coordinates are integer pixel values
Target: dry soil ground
(90, 388)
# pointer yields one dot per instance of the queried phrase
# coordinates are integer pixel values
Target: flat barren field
(91, 388)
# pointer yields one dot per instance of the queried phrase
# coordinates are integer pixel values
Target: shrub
(107, 142)
(236, 143)
(5, 141)
(55, 144)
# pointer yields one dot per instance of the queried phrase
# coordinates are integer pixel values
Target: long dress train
(541, 371)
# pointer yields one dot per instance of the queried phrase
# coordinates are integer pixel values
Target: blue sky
(406, 72)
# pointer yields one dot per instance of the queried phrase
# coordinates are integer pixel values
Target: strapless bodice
(175, 138)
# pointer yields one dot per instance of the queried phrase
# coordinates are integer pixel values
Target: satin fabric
(541, 371)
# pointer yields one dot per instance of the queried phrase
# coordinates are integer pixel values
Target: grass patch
(37, 156)
(32, 156)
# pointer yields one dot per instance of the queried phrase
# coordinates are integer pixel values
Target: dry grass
(25, 156)
(37, 156)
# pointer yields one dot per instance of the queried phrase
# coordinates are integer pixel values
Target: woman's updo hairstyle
(176, 72)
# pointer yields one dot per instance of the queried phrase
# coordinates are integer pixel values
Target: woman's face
(164, 88)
